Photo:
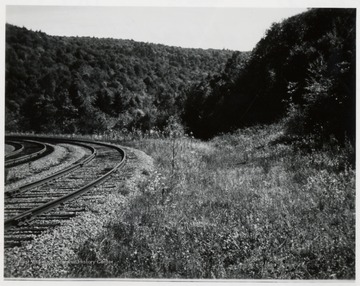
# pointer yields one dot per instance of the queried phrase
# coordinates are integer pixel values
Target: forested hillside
(83, 84)
(303, 69)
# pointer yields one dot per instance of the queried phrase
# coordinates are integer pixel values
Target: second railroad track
(27, 209)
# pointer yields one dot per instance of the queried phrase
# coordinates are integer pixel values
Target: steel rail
(52, 204)
(24, 158)
(16, 151)
(55, 175)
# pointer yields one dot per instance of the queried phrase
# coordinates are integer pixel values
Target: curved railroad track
(31, 150)
(18, 147)
(36, 183)
(33, 208)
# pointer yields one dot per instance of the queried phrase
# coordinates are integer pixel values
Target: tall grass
(245, 205)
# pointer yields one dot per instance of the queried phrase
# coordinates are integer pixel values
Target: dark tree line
(302, 69)
(83, 84)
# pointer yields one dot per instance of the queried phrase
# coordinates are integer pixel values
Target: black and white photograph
(177, 141)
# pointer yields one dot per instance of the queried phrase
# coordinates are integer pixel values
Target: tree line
(85, 85)
(302, 71)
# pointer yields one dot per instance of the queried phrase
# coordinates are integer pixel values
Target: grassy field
(250, 205)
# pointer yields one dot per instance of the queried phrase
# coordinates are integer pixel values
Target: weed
(245, 205)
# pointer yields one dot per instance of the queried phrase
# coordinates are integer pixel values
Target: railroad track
(78, 164)
(33, 208)
(18, 147)
(31, 150)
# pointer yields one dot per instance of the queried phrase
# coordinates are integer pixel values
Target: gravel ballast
(53, 253)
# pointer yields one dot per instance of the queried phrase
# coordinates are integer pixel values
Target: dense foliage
(304, 68)
(82, 84)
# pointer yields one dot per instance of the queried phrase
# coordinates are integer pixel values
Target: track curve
(18, 147)
(52, 176)
(36, 200)
(32, 150)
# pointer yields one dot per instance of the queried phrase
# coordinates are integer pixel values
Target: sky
(233, 28)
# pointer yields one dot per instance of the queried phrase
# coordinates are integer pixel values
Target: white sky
(233, 28)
